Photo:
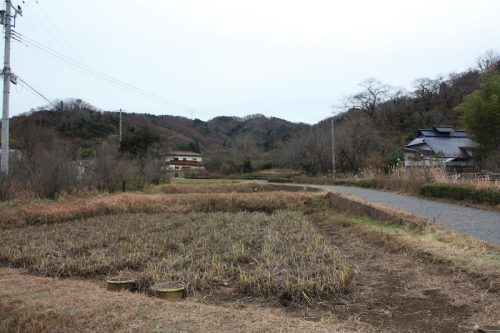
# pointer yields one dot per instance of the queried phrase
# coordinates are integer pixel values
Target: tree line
(374, 124)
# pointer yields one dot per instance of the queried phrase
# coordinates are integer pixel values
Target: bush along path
(482, 224)
(461, 193)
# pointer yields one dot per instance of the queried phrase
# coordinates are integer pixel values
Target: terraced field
(252, 258)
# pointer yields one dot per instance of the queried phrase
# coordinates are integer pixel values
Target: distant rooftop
(183, 153)
(443, 140)
(442, 131)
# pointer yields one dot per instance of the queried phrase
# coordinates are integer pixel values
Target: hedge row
(460, 192)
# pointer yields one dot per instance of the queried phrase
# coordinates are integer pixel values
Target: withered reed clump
(254, 253)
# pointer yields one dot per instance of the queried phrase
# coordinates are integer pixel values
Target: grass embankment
(403, 231)
(431, 242)
(273, 175)
(224, 187)
(45, 211)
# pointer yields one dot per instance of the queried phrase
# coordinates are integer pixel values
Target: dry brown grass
(356, 206)
(255, 244)
(224, 187)
(435, 243)
(478, 183)
(42, 211)
(259, 254)
(45, 305)
(438, 175)
(402, 179)
(403, 230)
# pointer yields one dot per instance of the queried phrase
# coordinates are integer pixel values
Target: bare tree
(426, 90)
(368, 100)
(488, 61)
(310, 151)
(353, 145)
(389, 111)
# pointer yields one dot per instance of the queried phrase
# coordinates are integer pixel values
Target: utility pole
(6, 19)
(6, 89)
(333, 146)
(120, 126)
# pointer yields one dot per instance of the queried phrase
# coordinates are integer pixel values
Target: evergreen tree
(481, 112)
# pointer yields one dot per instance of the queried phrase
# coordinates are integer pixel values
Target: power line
(55, 72)
(104, 76)
(36, 91)
(94, 85)
(41, 57)
(42, 60)
(66, 41)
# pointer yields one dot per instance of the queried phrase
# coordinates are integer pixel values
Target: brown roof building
(184, 160)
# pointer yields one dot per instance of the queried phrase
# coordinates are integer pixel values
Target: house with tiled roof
(440, 146)
(180, 161)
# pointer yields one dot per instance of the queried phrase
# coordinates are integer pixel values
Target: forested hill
(79, 125)
(374, 124)
(371, 128)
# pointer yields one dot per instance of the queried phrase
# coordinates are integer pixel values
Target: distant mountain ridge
(86, 126)
(377, 123)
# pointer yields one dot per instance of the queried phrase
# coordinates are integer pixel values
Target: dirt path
(394, 292)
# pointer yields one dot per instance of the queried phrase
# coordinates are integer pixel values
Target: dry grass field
(278, 254)
(253, 258)
(44, 211)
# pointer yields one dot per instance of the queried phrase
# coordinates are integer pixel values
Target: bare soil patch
(397, 292)
(41, 305)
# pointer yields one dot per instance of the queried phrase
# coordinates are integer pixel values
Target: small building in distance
(440, 146)
(178, 162)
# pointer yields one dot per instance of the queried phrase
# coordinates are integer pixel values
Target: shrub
(462, 193)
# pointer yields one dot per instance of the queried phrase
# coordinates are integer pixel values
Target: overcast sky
(283, 58)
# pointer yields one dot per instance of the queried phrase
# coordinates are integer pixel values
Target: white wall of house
(417, 160)
(180, 157)
(172, 167)
(425, 161)
(184, 158)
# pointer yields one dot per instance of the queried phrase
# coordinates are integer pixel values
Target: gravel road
(481, 224)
